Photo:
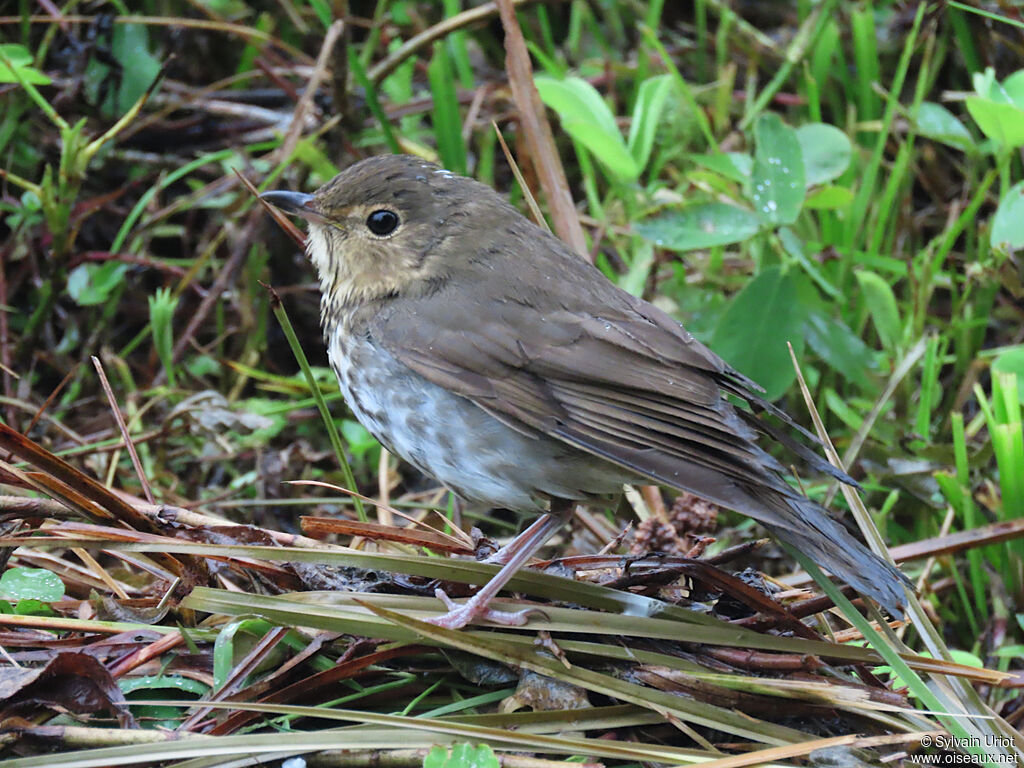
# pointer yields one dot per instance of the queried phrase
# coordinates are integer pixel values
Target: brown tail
(831, 546)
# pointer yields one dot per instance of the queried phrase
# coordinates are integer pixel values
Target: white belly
(451, 439)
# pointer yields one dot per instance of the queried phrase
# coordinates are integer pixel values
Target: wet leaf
(700, 226)
(778, 179)
(736, 166)
(31, 584)
(75, 682)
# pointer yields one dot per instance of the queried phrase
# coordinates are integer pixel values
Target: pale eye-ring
(382, 222)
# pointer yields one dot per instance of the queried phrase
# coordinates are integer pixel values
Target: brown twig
(123, 427)
(302, 109)
(539, 138)
(425, 38)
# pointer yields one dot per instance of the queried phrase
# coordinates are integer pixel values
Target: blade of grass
(966, 716)
(321, 404)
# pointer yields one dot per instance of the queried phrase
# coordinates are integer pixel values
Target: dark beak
(295, 203)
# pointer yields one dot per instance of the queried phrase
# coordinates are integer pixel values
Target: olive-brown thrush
(479, 348)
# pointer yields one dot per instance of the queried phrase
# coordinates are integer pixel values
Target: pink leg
(512, 557)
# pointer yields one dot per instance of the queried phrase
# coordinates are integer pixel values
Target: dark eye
(382, 222)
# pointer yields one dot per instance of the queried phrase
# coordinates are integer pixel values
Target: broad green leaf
(736, 166)
(21, 62)
(826, 152)
(585, 116)
(31, 584)
(162, 682)
(699, 226)
(778, 179)
(650, 102)
(1008, 222)
(938, 123)
(834, 342)
(161, 687)
(882, 306)
(1001, 122)
(828, 198)
(752, 333)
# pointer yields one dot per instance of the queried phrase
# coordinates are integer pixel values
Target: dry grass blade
(123, 427)
(322, 526)
(958, 705)
(537, 130)
(305, 105)
(523, 732)
(666, 704)
(76, 480)
(282, 220)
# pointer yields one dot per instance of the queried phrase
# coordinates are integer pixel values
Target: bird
(482, 350)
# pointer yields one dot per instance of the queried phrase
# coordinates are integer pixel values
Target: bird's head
(392, 225)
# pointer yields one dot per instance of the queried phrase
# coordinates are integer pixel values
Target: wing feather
(615, 377)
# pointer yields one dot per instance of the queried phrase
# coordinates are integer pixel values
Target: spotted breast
(453, 440)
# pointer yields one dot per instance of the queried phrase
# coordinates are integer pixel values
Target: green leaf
(736, 166)
(700, 226)
(233, 642)
(881, 304)
(834, 342)
(1013, 87)
(826, 152)
(829, 198)
(1011, 360)
(160, 687)
(1008, 222)
(162, 682)
(778, 180)
(650, 103)
(139, 67)
(938, 123)
(463, 755)
(446, 117)
(33, 607)
(91, 284)
(639, 269)
(752, 332)
(585, 116)
(31, 584)
(1001, 122)
(358, 439)
(20, 61)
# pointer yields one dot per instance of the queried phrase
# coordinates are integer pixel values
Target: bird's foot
(459, 616)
